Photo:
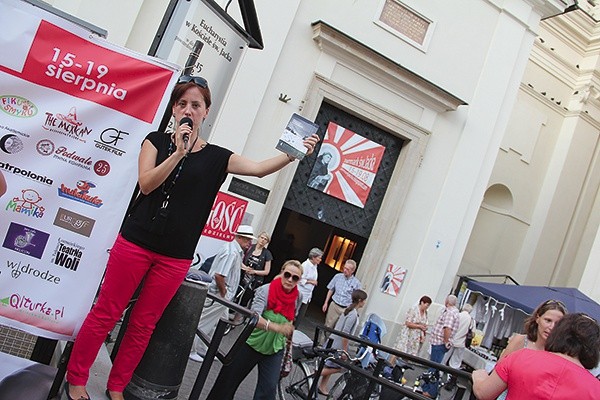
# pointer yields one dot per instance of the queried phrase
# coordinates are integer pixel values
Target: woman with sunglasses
(179, 176)
(560, 372)
(537, 329)
(276, 303)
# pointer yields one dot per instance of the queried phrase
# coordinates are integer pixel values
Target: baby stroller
(373, 331)
(356, 385)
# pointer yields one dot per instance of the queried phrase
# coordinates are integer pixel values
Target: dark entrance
(311, 218)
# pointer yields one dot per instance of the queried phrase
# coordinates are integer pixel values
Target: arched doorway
(312, 217)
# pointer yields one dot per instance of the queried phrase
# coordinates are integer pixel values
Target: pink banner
(70, 64)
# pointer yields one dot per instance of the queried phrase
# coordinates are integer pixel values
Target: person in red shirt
(559, 373)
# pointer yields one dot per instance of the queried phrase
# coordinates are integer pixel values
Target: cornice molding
(357, 55)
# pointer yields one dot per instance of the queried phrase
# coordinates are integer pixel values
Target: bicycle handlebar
(329, 353)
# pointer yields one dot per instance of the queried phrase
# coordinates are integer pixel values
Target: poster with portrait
(393, 279)
(346, 165)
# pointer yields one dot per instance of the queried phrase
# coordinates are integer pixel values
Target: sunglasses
(198, 80)
(288, 275)
(558, 302)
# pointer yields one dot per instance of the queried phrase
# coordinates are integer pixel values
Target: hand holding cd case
(292, 139)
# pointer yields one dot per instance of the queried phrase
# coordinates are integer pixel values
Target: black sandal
(66, 388)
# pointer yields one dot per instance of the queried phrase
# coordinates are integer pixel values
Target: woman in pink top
(559, 373)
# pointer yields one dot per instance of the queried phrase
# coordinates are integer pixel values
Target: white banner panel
(74, 110)
(221, 50)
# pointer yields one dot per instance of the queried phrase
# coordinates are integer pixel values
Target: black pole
(209, 358)
(160, 372)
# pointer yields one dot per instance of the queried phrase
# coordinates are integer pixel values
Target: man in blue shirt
(340, 291)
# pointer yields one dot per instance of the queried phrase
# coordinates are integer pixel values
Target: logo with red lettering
(29, 305)
(225, 217)
(67, 125)
(17, 106)
(101, 167)
(64, 154)
(80, 193)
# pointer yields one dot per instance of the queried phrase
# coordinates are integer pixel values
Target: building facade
(487, 114)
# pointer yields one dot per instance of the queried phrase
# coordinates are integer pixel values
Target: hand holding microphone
(186, 137)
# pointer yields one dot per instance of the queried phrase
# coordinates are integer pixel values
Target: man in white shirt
(225, 272)
(310, 276)
(456, 352)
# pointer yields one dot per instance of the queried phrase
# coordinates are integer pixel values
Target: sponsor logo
(27, 204)
(26, 173)
(25, 303)
(45, 147)
(17, 106)
(109, 141)
(11, 144)
(71, 157)
(25, 240)
(67, 254)
(225, 217)
(101, 167)
(19, 268)
(67, 125)
(15, 131)
(74, 222)
(80, 193)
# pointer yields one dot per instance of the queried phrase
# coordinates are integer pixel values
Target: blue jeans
(437, 355)
(437, 352)
(230, 376)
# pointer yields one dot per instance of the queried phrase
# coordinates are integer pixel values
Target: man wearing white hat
(225, 273)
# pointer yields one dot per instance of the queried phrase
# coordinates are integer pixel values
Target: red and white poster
(74, 110)
(393, 279)
(222, 224)
(346, 165)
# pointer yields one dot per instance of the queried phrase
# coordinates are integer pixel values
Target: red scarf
(280, 301)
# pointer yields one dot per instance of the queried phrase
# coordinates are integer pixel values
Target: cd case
(292, 139)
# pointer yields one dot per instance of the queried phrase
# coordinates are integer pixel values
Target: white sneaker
(196, 357)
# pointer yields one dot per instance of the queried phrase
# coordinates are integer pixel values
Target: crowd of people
(156, 245)
(157, 241)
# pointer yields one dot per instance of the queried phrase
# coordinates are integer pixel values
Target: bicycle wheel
(296, 384)
(337, 391)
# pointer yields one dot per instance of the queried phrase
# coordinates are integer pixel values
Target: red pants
(127, 265)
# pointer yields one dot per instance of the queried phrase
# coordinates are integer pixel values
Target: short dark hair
(531, 326)
(425, 299)
(576, 335)
(181, 88)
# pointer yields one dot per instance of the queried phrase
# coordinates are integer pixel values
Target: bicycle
(352, 385)
(301, 382)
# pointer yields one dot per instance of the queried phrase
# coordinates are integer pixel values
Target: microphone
(186, 137)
